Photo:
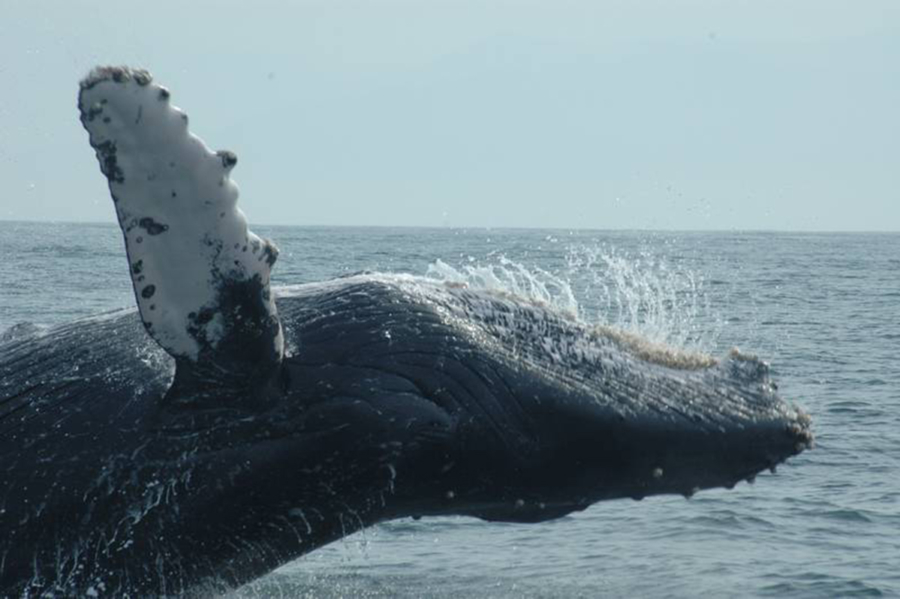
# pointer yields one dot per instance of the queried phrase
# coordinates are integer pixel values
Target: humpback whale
(225, 428)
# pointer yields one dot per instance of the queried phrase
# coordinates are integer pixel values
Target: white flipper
(201, 278)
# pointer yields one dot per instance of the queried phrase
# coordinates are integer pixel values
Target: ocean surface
(824, 309)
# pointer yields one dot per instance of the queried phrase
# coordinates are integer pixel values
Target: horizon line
(498, 228)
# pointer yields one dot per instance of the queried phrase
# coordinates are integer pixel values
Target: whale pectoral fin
(200, 277)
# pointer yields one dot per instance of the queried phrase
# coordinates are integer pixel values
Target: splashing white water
(646, 294)
(507, 276)
(641, 294)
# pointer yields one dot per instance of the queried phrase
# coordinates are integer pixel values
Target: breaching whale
(223, 429)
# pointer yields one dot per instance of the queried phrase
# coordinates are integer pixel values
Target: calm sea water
(823, 308)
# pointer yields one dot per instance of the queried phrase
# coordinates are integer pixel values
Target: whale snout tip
(801, 430)
(750, 368)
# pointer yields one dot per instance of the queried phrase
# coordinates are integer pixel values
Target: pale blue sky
(566, 113)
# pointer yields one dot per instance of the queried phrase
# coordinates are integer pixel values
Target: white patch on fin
(186, 239)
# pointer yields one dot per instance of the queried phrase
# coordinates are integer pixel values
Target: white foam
(176, 205)
(645, 306)
(643, 293)
(513, 279)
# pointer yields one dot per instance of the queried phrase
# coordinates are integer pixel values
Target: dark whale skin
(397, 397)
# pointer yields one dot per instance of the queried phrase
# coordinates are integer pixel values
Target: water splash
(645, 294)
(508, 276)
(638, 293)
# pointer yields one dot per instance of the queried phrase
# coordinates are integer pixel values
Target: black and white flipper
(201, 278)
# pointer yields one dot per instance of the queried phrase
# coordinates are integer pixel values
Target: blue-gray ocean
(824, 309)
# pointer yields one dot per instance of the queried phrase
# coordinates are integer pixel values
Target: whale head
(500, 408)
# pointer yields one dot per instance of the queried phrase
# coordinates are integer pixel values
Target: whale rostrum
(226, 428)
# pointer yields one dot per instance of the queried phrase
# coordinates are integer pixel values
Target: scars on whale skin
(225, 429)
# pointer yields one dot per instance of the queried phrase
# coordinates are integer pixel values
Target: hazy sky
(556, 113)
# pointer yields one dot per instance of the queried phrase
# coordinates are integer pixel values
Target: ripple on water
(813, 584)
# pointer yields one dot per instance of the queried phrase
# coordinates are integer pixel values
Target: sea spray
(639, 294)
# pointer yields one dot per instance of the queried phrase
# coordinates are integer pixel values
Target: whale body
(225, 428)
